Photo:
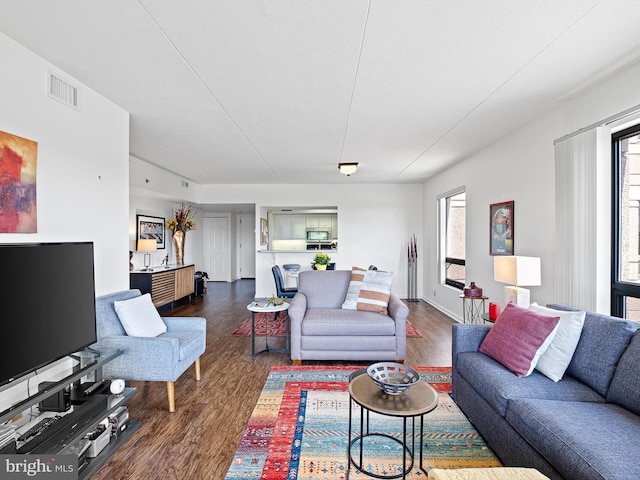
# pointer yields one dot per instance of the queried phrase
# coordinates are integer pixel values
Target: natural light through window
(452, 238)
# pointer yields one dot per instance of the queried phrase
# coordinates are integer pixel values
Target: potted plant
(321, 261)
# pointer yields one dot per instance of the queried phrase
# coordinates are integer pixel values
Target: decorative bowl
(393, 378)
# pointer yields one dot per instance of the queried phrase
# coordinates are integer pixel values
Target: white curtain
(582, 219)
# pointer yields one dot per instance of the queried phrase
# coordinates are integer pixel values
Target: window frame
(445, 261)
(619, 289)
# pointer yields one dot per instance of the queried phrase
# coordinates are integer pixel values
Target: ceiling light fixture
(347, 168)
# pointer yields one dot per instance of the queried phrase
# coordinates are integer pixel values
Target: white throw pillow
(375, 291)
(139, 317)
(555, 360)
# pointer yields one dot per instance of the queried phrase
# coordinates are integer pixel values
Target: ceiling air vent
(62, 91)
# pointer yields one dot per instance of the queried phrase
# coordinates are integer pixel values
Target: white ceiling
(280, 91)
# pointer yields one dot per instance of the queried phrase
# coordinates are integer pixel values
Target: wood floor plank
(198, 440)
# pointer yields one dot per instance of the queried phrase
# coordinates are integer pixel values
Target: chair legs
(171, 395)
(171, 390)
(197, 365)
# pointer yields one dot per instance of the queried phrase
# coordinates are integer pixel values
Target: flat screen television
(47, 302)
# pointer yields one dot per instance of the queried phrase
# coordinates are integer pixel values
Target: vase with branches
(181, 223)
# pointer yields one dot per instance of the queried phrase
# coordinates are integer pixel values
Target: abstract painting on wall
(18, 159)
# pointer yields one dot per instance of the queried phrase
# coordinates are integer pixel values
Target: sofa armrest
(399, 311)
(181, 324)
(297, 309)
(466, 338)
(159, 354)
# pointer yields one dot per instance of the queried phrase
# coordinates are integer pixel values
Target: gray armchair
(322, 330)
(163, 358)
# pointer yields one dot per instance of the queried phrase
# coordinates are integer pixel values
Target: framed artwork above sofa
(501, 231)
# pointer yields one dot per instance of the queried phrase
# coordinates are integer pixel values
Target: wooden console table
(166, 285)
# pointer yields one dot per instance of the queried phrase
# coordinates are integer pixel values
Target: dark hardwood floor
(198, 440)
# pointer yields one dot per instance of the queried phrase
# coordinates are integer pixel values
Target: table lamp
(147, 246)
(518, 272)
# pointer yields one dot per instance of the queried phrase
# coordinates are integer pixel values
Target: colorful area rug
(299, 430)
(277, 327)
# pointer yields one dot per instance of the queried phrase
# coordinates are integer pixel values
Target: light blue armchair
(163, 358)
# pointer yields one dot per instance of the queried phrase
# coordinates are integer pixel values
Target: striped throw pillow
(375, 291)
(351, 300)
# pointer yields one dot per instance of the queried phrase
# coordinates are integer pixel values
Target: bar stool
(291, 270)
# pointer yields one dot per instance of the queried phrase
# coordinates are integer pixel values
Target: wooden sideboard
(166, 285)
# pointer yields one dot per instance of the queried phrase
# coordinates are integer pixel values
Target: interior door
(247, 245)
(216, 248)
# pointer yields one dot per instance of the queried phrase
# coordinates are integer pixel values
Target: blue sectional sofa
(586, 426)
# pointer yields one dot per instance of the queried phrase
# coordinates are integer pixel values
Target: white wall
(141, 203)
(375, 222)
(82, 170)
(520, 167)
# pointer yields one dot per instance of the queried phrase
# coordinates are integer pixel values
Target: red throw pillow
(518, 338)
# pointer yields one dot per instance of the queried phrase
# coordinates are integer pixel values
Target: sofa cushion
(602, 341)
(625, 386)
(580, 439)
(139, 317)
(518, 338)
(556, 358)
(324, 288)
(338, 322)
(375, 291)
(353, 291)
(497, 385)
(320, 347)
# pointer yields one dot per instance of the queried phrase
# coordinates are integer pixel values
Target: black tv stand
(85, 416)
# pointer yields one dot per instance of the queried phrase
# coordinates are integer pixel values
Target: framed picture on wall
(150, 228)
(264, 231)
(501, 228)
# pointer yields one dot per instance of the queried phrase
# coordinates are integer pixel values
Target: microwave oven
(318, 236)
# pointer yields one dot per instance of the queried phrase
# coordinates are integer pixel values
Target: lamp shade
(518, 271)
(147, 245)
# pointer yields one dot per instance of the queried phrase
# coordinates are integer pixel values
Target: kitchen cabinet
(290, 227)
(320, 221)
(299, 227)
(324, 221)
(312, 221)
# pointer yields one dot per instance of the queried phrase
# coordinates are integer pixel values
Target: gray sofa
(586, 426)
(322, 330)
